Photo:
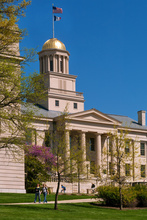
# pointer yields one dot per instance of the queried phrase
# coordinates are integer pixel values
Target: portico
(87, 129)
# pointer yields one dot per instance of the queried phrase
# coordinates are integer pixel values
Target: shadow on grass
(50, 207)
(92, 206)
(30, 207)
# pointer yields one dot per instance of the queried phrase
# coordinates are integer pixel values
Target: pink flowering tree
(39, 162)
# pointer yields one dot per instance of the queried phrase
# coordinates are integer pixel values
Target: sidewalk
(52, 202)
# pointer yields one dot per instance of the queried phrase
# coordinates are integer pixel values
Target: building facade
(92, 126)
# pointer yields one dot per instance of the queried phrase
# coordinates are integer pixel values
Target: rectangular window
(47, 139)
(127, 148)
(142, 170)
(127, 169)
(28, 137)
(56, 102)
(75, 105)
(142, 149)
(92, 144)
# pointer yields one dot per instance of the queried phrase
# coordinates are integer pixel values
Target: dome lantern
(54, 57)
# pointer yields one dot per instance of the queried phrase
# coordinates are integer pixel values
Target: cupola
(54, 57)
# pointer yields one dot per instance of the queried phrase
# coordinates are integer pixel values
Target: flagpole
(53, 19)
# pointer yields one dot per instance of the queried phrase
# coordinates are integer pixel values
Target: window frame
(75, 105)
(57, 103)
(127, 147)
(127, 169)
(143, 171)
(142, 151)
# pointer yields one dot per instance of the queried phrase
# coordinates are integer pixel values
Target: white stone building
(91, 125)
(12, 171)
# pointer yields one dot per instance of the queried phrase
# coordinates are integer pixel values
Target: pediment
(94, 116)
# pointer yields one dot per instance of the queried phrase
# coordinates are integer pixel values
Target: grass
(80, 211)
(29, 197)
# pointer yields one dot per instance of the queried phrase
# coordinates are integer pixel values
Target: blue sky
(107, 42)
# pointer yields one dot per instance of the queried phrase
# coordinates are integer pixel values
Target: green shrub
(111, 197)
(109, 194)
(129, 197)
(141, 191)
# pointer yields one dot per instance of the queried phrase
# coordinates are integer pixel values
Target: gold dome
(53, 43)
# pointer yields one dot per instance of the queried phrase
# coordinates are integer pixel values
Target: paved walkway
(52, 202)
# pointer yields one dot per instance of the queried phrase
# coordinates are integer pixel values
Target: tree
(10, 34)
(68, 155)
(61, 152)
(16, 114)
(121, 153)
(39, 161)
(77, 162)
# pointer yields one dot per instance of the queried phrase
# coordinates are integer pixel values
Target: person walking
(37, 193)
(45, 192)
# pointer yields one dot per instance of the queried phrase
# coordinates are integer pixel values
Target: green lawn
(20, 198)
(83, 211)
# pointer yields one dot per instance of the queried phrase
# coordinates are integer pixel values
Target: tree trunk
(57, 192)
(78, 180)
(120, 196)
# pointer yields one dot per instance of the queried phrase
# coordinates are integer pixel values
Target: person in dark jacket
(93, 187)
(37, 193)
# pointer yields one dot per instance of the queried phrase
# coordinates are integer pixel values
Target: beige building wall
(65, 103)
(12, 172)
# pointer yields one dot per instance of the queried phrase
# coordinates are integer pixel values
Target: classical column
(67, 152)
(98, 151)
(83, 145)
(67, 65)
(112, 157)
(58, 63)
(48, 58)
(107, 156)
(46, 67)
(63, 64)
(83, 148)
(54, 64)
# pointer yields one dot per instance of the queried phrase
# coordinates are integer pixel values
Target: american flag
(57, 10)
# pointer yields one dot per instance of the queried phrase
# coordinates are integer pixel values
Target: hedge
(131, 196)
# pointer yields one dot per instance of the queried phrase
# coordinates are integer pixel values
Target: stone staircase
(85, 184)
(74, 188)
